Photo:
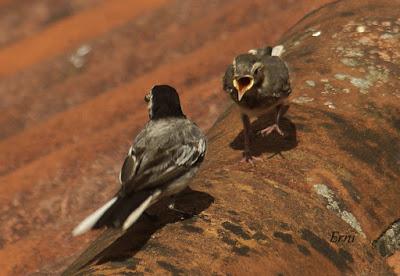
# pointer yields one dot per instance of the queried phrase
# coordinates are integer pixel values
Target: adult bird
(164, 156)
(258, 82)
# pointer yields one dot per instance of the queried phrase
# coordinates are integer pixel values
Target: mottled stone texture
(73, 74)
(336, 170)
(389, 242)
(72, 79)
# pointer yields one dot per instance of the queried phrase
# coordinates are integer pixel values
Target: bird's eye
(257, 67)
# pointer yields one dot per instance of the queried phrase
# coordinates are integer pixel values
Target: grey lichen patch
(373, 76)
(340, 76)
(302, 100)
(362, 84)
(376, 74)
(330, 105)
(369, 36)
(389, 241)
(78, 59)
(361, 29)
(349, 62)
(333, 205)
(350, 52)
(310, 83)
(387, 36)
(316, 34)
(329, 89)
(366, 40)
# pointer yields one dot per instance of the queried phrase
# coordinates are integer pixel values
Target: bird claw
(248, 158)
(270, 129)
(183, 214)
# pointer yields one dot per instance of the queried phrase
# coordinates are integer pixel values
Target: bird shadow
(272, 143)
(189, 201)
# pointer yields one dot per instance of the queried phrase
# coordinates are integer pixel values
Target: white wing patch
(131, 153)
(202, 146)
(278, 50)
(187, 153)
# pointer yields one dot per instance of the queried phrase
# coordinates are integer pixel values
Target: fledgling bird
(164, 156)
(258, 82)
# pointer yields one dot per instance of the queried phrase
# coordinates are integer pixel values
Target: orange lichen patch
(394, 262)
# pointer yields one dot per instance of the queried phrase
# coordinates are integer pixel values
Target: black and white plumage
(258, 82)
(164, 156)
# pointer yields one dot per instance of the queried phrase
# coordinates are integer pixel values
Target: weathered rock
(321, 195)
(73, 77)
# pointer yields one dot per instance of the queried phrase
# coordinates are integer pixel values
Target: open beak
(243, 84)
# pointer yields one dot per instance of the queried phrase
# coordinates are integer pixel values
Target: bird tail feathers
(119, 209)
(133, 217)
(92, 219)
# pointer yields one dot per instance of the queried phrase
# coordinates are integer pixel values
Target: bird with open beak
(259, 84)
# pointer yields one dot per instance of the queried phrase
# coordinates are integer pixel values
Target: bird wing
(130, 165)
(277, 82)
(155, 165)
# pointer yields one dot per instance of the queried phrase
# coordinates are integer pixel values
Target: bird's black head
(247, 73)
(163, 101)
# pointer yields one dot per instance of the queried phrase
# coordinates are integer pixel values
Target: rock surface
(72, 86)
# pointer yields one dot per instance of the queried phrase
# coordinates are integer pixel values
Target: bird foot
(270, 129)
(248, 158)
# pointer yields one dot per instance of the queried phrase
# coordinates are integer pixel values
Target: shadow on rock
(190, 201)
(273, 143)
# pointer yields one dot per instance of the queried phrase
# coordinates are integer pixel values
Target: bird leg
(270, 129)
(247, 156)
(184, 214)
